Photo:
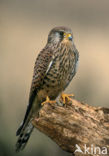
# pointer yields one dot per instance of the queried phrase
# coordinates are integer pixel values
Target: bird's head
(60, 34)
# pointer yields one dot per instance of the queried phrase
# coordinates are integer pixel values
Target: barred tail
(24, 136)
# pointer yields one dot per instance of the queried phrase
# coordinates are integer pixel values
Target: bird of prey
(54, 69)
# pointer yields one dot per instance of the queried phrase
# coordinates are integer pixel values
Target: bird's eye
(61, 33)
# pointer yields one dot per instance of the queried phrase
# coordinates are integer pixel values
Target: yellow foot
(66, 97)
(48, 101)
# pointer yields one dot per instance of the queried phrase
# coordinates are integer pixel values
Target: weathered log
(75, 125)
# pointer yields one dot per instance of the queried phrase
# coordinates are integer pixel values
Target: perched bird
(54, 69)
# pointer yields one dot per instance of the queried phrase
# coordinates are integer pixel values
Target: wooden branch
(76, 124)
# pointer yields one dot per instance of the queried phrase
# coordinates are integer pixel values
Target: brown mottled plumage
(54, 68)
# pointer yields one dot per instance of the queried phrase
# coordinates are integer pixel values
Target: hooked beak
(68, 36)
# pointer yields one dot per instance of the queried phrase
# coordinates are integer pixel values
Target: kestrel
(54, 69)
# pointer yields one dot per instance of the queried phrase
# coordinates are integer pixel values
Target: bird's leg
(48, 101)
(66, 97)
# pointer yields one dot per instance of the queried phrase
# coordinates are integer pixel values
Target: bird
(55, 67)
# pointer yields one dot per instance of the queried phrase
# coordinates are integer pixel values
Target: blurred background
(24, 26)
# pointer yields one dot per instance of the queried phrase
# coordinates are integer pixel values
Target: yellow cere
(67, 35)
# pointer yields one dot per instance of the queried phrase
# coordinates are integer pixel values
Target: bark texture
(75, 124)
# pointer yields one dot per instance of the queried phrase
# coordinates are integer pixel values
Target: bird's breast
(59, 73)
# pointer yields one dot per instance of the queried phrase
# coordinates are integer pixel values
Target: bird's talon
(48, 101)
(66, 97)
